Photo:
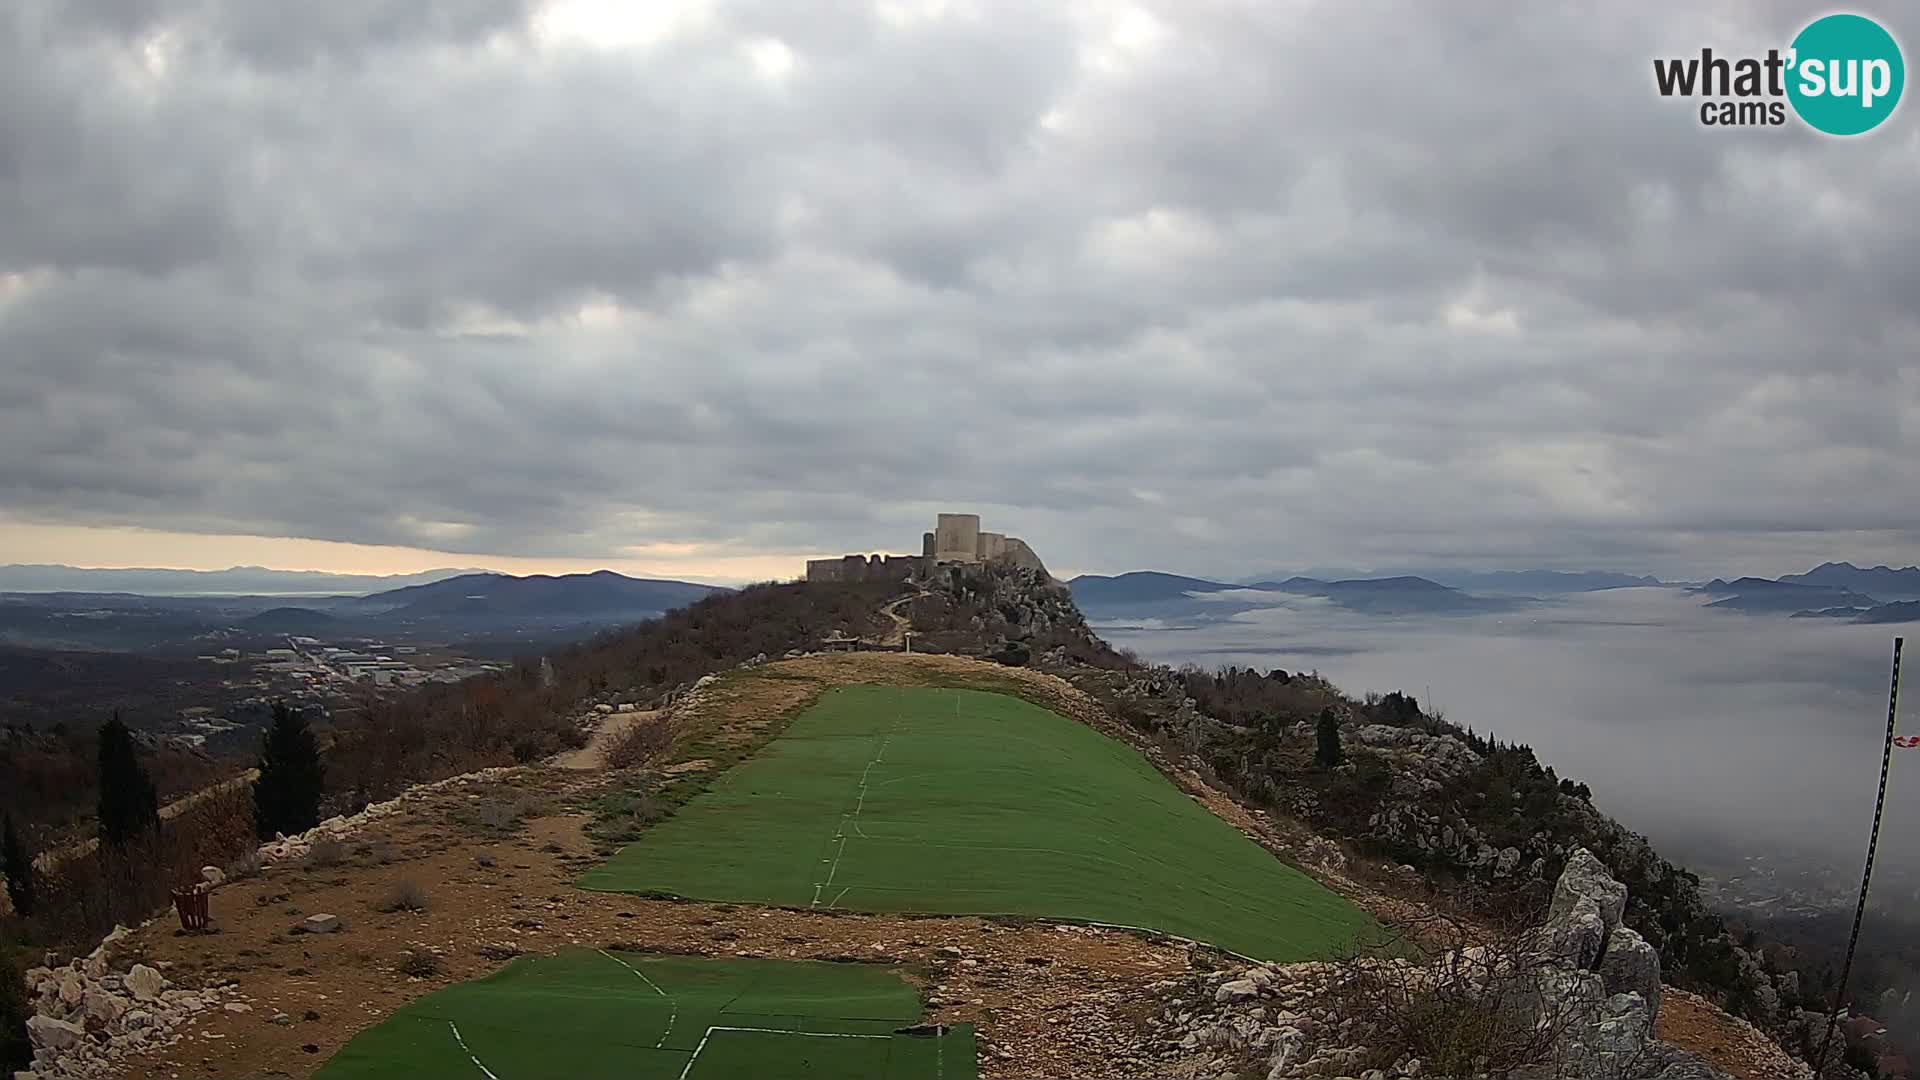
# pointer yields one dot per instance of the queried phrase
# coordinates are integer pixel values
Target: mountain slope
(1138, 587)
(1763, 595)
(1899, 611)
(291, 620)
(1175, 596)
(1537, 582)
(1511, 582)
(599, 593)
(1394, 595)
(233, 581)
(1881, 581)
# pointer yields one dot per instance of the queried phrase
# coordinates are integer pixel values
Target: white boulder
(144, 983)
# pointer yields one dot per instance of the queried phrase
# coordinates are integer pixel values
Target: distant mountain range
(290, 620)
(1880, 581)
(600, 593)
(1834, 590)
(1763, 594)
(485, 607)
(1138, 588)
(1897, 612)
(234, 581)
(1506, 582)
(1155, 594)
(1829, 591)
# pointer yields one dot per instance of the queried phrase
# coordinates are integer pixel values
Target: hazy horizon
(1711, 732)
(698, 289)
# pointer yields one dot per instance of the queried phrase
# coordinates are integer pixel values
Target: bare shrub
(639, 744)
(84, 896)
(420, 964)
(404, 895)
(499, 810)
(325, 852)
(1475, 1010)
(245, 865)
(496, 814)
(436, 731)
(385, 743)
(621, 816)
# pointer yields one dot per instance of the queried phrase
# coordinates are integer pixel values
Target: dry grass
(404, 895)
(1475, 1010)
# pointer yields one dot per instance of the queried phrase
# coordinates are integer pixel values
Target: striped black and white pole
(1873, 844)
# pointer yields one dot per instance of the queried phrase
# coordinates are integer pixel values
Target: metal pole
(1873, 844)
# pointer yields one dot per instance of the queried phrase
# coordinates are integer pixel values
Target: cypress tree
(1328, 753)
(128, 802)
(18, 866)
(286, 798)
(16, 1049)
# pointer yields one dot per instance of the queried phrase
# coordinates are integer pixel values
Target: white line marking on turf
(766, 1031)
(673, 1007)
(488, 1073)
(859, 805)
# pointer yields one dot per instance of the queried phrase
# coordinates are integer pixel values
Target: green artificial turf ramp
(964, 802)
(589, 1015)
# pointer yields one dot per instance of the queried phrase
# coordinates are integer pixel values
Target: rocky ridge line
(1584, 976)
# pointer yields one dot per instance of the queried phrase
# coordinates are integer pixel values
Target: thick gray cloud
(1203, 286)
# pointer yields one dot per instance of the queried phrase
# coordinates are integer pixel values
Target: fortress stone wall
(865, 568)
(956, 538)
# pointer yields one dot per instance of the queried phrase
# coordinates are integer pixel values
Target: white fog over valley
(1722, 736)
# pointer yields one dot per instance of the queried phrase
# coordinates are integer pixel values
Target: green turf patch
(963, 802)
(588, 1015)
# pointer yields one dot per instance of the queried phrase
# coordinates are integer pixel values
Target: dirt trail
(611, 726)
(902, 624)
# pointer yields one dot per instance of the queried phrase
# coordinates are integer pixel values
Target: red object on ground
(191, 903)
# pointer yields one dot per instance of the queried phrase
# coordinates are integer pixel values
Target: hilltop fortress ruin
(955, 539)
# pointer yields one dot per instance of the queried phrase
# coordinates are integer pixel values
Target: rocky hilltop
(1479, 827)
(1521, 912)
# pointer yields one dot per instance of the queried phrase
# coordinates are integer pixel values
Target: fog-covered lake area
(1724, 737)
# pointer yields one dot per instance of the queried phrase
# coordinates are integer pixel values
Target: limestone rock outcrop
(87, 1016)
(1585, 980)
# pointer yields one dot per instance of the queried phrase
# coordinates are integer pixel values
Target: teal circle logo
(1845, 74)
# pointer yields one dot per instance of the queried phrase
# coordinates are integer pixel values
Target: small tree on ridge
(18, 866)
(1327, 753)
(286, 798)
(128, 802)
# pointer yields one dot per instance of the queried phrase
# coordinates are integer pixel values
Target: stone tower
(956, 538)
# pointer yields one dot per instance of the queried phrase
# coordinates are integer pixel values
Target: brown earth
(496, 862)
(477, 916)
(1732, 1045)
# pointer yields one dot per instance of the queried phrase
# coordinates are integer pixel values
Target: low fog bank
(1723, 737)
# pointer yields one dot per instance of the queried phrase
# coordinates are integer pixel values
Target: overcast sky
(706, 288)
